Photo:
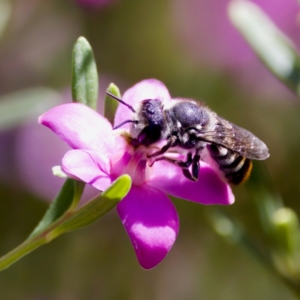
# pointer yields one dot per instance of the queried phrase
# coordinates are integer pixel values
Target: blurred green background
(191, 47)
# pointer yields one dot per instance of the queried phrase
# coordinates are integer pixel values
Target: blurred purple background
(192, 47)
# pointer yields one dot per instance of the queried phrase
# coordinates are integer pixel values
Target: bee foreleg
(165, 148)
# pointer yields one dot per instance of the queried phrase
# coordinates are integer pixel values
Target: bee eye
(150, 134)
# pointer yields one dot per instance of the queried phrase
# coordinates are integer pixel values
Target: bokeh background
(192, 47)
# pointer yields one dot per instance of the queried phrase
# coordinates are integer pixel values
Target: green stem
(20, 251)
(247, 243)
(32, 243)
(237, 234)
(72, 219)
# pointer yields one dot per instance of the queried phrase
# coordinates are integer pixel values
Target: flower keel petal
(151, 221)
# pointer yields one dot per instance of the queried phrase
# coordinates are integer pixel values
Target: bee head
(149, 123)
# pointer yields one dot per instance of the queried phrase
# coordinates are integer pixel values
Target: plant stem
(23, 249)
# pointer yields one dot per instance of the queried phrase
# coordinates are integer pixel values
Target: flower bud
(286, 230)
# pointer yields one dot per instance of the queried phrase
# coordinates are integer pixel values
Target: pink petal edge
(210, 189)
(82, 128)
(151, 222)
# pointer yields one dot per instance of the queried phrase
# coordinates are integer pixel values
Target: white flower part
(57, 171)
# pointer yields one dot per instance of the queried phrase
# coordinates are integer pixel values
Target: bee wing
(237, 139)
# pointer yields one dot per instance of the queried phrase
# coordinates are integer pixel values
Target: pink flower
(100, 155)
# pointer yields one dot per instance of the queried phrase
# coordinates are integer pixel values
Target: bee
(190, 127)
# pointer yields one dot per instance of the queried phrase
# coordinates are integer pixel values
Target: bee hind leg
(196, 166)
(194, 161)
(188, 174)
(184, 165)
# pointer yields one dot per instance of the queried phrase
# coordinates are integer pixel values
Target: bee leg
(158, 159)
(185, 164)
(196, 166)
(194, 161)
(165, 148)
(190, 160)
(188, 175)
(181, 164)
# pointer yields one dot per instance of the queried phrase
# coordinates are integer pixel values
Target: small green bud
(110, 105)
(286, 230)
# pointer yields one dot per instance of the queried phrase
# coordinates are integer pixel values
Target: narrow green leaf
(17, 107)
(110, 105)
(59, 219)
(5, 14)
(275, 50)
(84, 74)
(68, 196)
(97, 207)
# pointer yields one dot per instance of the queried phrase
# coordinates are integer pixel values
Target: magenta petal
(88, 167)
(82, 128)
(146, 89)
(151, 222)
(209, 189)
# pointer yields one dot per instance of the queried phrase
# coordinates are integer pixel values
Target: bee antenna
(121, 101)
(127, 121)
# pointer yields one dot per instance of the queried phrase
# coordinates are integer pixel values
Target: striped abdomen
(236, 168)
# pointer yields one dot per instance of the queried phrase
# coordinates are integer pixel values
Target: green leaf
(110, 105)
(17, 107)
(68, 197)
(84, 74)
(97, 207)
(69, 220)
(5, 14)
(274, 49)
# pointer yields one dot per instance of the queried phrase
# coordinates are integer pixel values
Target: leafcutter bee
(190, 127)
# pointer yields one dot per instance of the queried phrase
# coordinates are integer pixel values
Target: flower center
(133, 162)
